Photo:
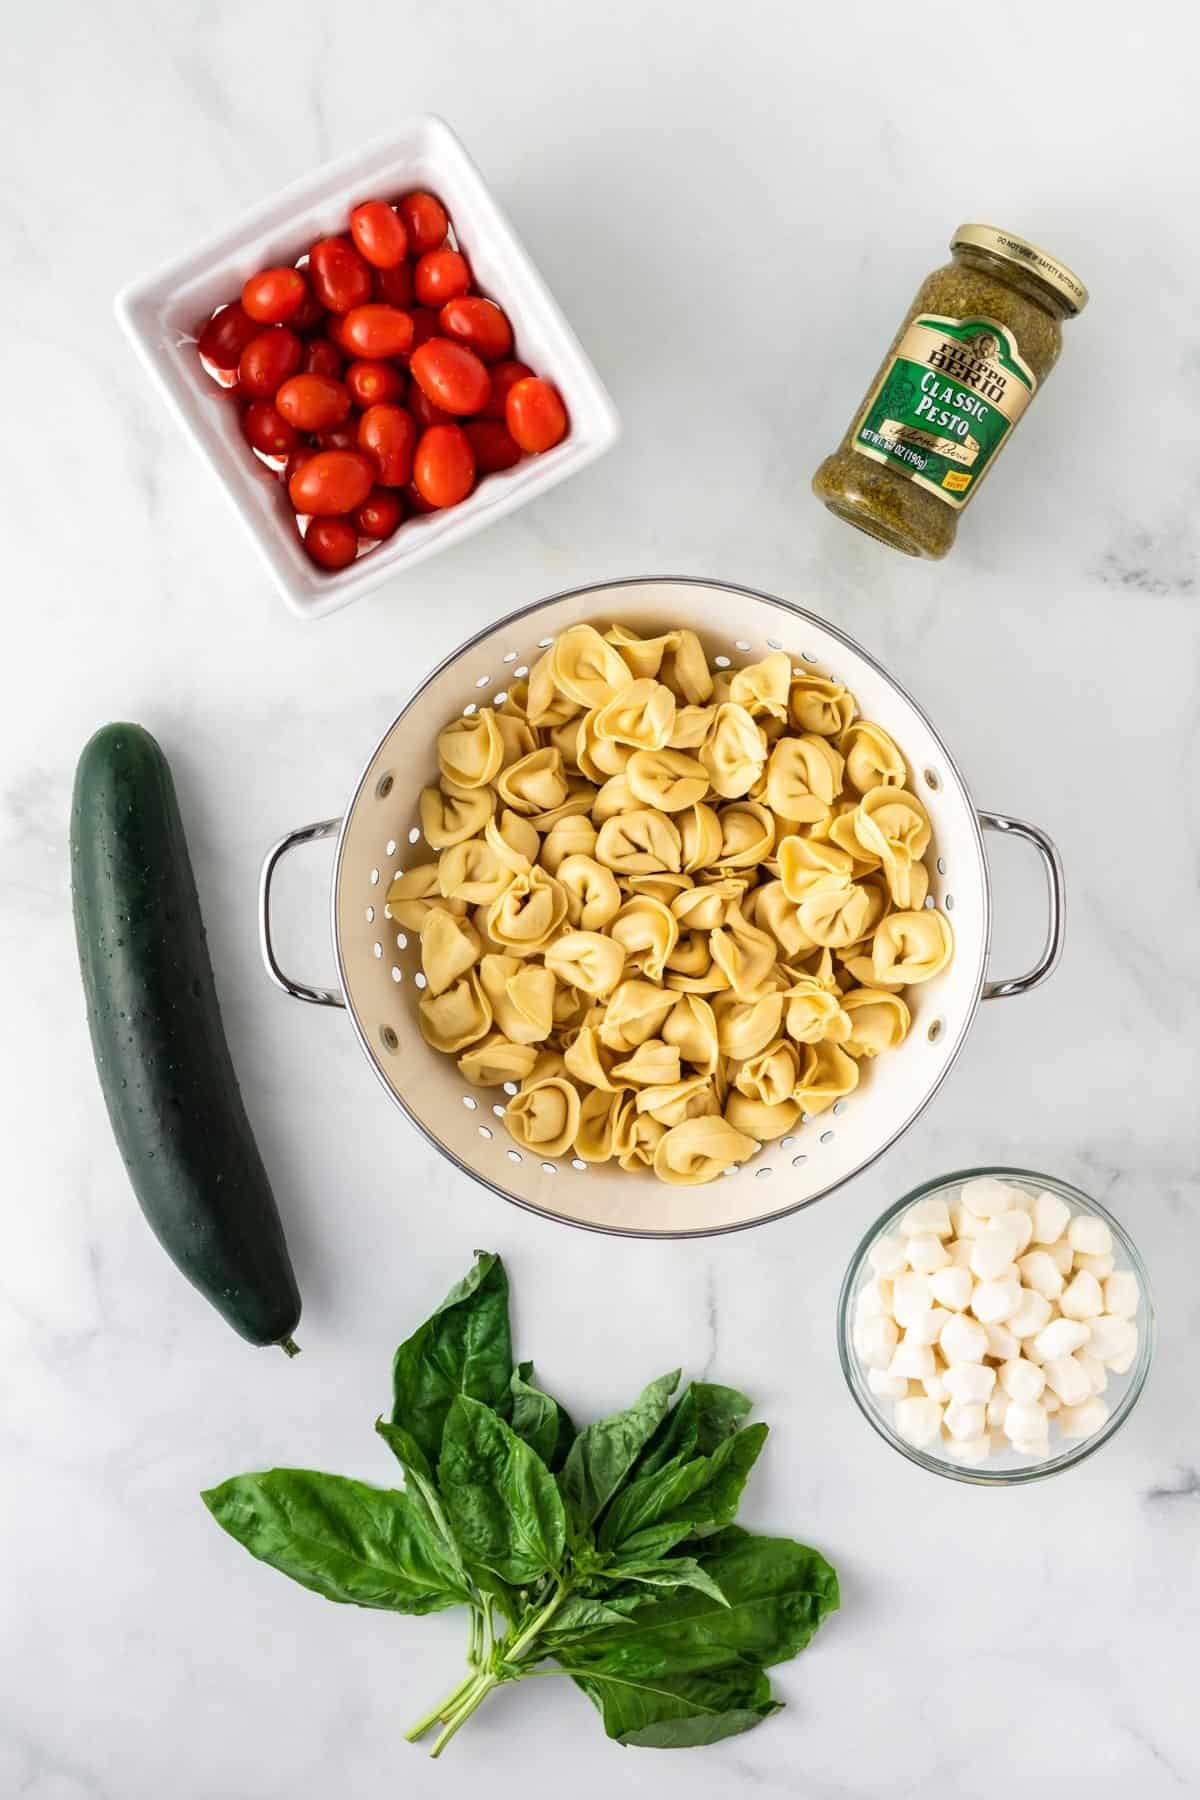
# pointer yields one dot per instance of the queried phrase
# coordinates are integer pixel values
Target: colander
(379, 965)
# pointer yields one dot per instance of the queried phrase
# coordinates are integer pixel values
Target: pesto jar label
(947, 402)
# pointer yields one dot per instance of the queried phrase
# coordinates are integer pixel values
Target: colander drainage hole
(577, 1162)
(499, 1111)
(741, 644)
(383, 787)
(515, 1156)
(722, 662)
(510, 1087)
(827, 1137)
(470, 710)
(839, 1106)
(786, 1143)
(414, 835)
(808, 656)
(761, 1174)
(949, 902)
(397, 974)
(401, 941)
(929, 902)
(377, 951)
(798, 1161)
(389, 849)
(941, 865)
(471, 1105)
(370, 915)
(419, 979)
(484, 1131)
(774, 644)
(510, 656)
(549, 1168)
(935, 1031)
(500, 698)
(545, 643)
(933, 780)
(522, 671)
(482, 681)
(388, 1038)
(374, 877)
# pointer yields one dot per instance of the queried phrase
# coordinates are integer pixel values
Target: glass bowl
(1009, 1467)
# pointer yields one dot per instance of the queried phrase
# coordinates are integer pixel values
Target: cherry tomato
(265, 428)
(415, 501)
(302, 454)
(332, 543)
(388, 435)
(380, 513)
(379, 234)
(225, 336)
(339, 437)
(425, 221)
(376, 331)
(534, 414)
(504, 375)
(313, 402)
(321, 358)
(394, 286)
(424, 411)
(339, 276)
(333, 481)
(441, 275)
(444, 466)
(267, 361)
(479, 324)
(274, 296)
(311, 313)
(450, 375)
(425, 326)
(335, 331)
(493, 446)
(371, 381)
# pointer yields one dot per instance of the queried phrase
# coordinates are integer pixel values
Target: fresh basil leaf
(701, 1495)
(604, 1452)
(545, 1425)
(500, 1497)
(358, 1545)
(421, 1489)
(579, 1615)
(777, 1591)
(679, 1571)
(464, 1348)
(677, 1712)
(705, 1415)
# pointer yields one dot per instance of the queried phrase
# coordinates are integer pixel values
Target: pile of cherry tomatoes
(376, 378)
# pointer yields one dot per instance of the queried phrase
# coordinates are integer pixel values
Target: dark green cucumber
(159, 1043)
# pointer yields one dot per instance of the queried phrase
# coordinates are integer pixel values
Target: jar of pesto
(976, 344)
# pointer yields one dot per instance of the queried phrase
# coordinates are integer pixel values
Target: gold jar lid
(1056, 275)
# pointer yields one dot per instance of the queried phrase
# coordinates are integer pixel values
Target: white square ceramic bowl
(163, 312)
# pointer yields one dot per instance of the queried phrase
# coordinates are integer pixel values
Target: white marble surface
(734, 206)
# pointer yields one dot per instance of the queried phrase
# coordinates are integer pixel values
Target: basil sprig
(607, 1554)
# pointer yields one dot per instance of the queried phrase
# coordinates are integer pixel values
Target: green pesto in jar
(981, 336)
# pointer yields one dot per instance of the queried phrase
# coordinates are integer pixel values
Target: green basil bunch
(608, 1554)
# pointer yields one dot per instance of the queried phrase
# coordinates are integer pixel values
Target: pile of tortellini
(676, 907)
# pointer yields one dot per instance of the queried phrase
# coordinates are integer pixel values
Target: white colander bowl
(379, 965)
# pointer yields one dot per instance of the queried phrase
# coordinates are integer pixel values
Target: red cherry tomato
(340, 278)
(388, 435)
(380, 513)
(335, 331)
(425, 221)
(379, 234)
(332, 482)
(424, 411)
(274, 296)
(225, 336)
(311, 313)
(332, 543)
(267, 361)
(444, 466)
(265, 428)
(302, 454)
(321, 358)
(534, 414)
(378, 331)
(479, 324)
(415, 501)
(371, 382)
(493, 446)
(504, 375)
(450, 375)
(394, 287)
(441, 275)
(313, 402)
(339, 437)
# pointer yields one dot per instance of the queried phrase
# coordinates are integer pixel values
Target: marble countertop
(733, 208)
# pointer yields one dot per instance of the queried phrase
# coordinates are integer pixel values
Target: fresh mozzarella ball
(1099, 1266)
(1002, 1343)
(1081, 1421)
(886, 1256)
(912, 1361)
(1110, 1338)
(935, 1387)
(966, 1224)
(1022, 1380)
(1060, 1254)
(969, 1450)
(991, 1256)
(927, 1253)
(1020, 1200)
(1051, 1216)
(1093, 1368)
(965, 1419)
(1017, 1227)
(1082, 1298)
(926, 1218)
(1038, 1271)
(911, 1297)
(963, 1340)
(1060, 1337)
(876, 1340)
(960, 1250)
(986, 1197)
(888, 1387)
(1032, 1315)
(1068, 1379)
(952, 1288)
(874, 1299)
(997, 1408)
(970, 1382)
(918, 1419)
(1121, 1365)
(926, 1328)
(1025, 1422)
(994, 1301)
(1089, 1235)
(1120, 1294)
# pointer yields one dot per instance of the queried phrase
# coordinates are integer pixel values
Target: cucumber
(168, 1080)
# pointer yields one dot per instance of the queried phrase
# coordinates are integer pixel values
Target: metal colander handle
(1056, 895)
(299, 990)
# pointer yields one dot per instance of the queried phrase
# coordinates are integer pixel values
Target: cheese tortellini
(672, 912)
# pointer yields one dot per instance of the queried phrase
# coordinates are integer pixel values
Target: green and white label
(947, 402)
